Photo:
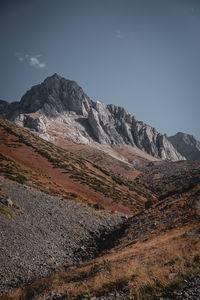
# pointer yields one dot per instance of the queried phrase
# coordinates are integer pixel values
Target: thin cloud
(118, 34)
(21, 58)
(33, 60)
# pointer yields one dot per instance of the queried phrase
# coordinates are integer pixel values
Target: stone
(187, 145)
(84, 120)
(6, 201)
(172, 275)
(34, 123)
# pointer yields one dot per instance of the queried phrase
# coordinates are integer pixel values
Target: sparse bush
(18, 178)
(148, 204)
(197, 258)
(96, 268)
(115, 284)
(98, 206)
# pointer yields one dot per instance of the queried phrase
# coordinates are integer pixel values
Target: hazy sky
(140, 54)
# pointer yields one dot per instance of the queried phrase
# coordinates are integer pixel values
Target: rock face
(187, 145)
(53, 97)
(3, 107)
(85, 121)
(6, 201)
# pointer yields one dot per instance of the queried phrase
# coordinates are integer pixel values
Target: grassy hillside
(26, 158)
(158, 251)
(155, 250)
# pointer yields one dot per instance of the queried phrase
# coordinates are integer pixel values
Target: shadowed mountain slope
(187, 145)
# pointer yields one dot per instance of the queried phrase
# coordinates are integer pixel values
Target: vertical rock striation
(57, 98)
(187, 145)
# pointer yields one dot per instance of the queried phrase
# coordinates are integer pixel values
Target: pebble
(46, 235)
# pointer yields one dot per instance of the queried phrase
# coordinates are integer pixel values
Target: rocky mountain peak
(187, 145)
(54, 96)
(86, 121)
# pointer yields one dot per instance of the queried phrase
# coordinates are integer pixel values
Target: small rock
(172, 275)
(186, 295)
(6, 201)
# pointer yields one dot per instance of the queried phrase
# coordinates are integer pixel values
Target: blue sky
(140, 54)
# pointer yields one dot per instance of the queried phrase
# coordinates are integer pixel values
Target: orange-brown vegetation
(147, 265)
(160, 245)
(29, 159)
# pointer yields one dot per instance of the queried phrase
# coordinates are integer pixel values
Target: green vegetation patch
(18, 178)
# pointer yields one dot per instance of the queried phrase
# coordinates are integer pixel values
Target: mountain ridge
(187, 145)
(83, 120)
(40, 185)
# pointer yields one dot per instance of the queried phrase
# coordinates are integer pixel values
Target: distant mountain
(58, 107)
(3, 107)
(187, 145)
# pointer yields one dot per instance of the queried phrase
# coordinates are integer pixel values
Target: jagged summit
(54, 96)
(83, 120)
(187, 145)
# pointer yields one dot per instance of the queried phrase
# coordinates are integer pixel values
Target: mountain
(3, 108)
(61, 207)
(58, 108)
(187, 145)
(28, 159)
(64, 217)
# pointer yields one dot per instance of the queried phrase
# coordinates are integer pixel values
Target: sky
(143, 55)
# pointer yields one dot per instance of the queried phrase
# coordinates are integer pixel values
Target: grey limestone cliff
(187, 145)
(57, 98)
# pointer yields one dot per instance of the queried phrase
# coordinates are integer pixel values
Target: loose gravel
(50, 233)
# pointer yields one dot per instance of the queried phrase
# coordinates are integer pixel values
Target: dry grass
(24, 166)
(5, 212)
(146, 268)
(154, 261)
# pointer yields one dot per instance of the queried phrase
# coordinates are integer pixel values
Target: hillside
(66, 205)
(45, 232)
(28, 159)
(155, 251)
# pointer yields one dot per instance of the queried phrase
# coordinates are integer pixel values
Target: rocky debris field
(40, 233)
(173, 177)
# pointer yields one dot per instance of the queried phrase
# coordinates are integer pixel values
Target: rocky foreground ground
(41, 233)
